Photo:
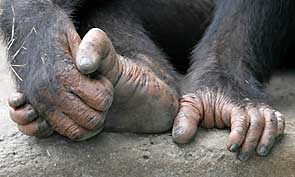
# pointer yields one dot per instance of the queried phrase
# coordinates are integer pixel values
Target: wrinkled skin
(131, 96)
(141, 97)
(254, 126)
(140, 93)
(79, 121)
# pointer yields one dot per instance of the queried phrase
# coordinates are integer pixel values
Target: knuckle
(257, 127)
(242, 121)
(252, 140)
(66, 73)
(257, 124)
(271, 120)
(281, 123)
(104, 99)
(279, 116)
(192, 102)
(239, 130)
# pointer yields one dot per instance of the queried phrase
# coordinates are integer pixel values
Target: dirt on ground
(131, 155)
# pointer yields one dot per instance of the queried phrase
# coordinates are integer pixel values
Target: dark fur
(243, 46)
(244, 42)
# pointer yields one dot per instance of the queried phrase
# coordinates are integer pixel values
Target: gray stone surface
(130, 155)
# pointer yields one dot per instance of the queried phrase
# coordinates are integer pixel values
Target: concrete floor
(112, 154)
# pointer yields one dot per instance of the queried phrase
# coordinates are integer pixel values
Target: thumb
(93, 52)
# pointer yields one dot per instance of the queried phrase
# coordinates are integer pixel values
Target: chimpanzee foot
(142, 101)
(254, 126)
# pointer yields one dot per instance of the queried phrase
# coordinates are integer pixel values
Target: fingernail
(31, 115)
(234, 148)
(85, 62)
(179, 135)
(86, 65)
(243, 156)
(42, 126)
(178, 131)
(16, 102)
(263, 150)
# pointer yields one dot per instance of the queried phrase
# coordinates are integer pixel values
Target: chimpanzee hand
(143, 102)
(254, 126)
(73, 104)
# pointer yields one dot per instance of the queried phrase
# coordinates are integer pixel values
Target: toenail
(234, 148)
(85, 62)
(178, 131)
(42, 125)
(86, 65)
(31, 115)
(263, 150)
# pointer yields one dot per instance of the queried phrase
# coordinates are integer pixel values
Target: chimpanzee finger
(253, 135)
(16, 100)
(68, 128)
(96, 52)
(239, 127)
(74, 40)
(96, 93)
(94, 47)
(38, 128)
(269, 134)
(187, 120)
(23, 115)
(79, 112)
